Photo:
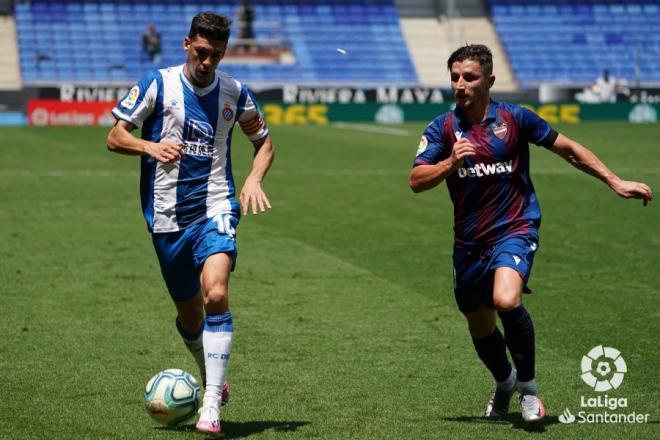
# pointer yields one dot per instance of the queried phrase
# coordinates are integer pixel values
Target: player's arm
(424, 177)
(121, 140)
(252, 196)
(585, 160)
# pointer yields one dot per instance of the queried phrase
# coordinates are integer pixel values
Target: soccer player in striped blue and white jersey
(187, 114)
(481, 149)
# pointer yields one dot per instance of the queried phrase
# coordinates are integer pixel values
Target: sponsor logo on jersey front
(486, 169)
(198, 138)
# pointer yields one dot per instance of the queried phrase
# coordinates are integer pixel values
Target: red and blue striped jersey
(492, 192)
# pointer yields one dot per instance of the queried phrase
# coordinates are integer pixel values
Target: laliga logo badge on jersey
(131, 99)
(423, 143)
(500, 130)
(227, 112)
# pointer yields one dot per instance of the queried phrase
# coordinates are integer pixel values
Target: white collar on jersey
(199, 91)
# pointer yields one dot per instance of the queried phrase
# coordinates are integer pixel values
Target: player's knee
(504, 303)
(216, 295)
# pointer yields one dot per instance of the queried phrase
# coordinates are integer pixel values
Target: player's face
(203, 58)
(469, 83)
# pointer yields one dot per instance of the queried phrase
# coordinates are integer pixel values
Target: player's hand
(634, 190)
(462, 149)
(165, 151)
(252, 197)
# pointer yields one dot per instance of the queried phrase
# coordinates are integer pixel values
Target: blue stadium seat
(580, 38)
(86, 38)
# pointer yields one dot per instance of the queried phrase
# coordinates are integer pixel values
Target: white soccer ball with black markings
(172, 396)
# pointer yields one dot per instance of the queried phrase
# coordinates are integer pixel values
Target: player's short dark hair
(476, 52)
(211, 26)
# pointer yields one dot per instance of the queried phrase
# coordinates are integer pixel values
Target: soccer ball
(172, 396)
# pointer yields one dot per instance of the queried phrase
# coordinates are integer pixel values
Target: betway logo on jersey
(490, 169)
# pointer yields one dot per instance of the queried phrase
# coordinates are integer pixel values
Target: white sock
(528, 387)
(509, 383)
(195, 345)
(218, 332)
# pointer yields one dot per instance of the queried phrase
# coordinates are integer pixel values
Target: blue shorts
(474, 268)
(182, 253)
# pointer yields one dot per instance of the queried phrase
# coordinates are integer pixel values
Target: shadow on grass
(513, 420)
(243, 429)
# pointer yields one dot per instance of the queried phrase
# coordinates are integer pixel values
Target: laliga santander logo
(603, 368)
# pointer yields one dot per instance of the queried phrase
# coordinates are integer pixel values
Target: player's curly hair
(211, 26)
(476, 52)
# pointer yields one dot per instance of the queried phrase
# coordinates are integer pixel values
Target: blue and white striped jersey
(200, 185)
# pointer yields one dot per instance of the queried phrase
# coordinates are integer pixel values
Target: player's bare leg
(218, 332)
(191, 312)
(519, 337)
(490, 346)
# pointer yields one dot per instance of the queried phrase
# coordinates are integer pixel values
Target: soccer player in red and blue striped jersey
(481, 149)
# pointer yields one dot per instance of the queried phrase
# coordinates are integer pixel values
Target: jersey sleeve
(431, 148)
(537, 130)
(249, 117)
(139, 102)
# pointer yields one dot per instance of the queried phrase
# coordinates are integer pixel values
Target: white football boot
(209, 421)
(531, 408)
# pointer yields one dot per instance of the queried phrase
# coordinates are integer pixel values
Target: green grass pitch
(345, 322)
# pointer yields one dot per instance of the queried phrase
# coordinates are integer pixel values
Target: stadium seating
(572, 42)
(100, 40)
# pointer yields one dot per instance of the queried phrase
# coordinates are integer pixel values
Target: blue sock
(519, 337)
(492, 352)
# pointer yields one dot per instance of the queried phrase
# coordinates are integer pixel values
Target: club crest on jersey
(423, 143)
(499, 130)
(227, 112)
(131, 99)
